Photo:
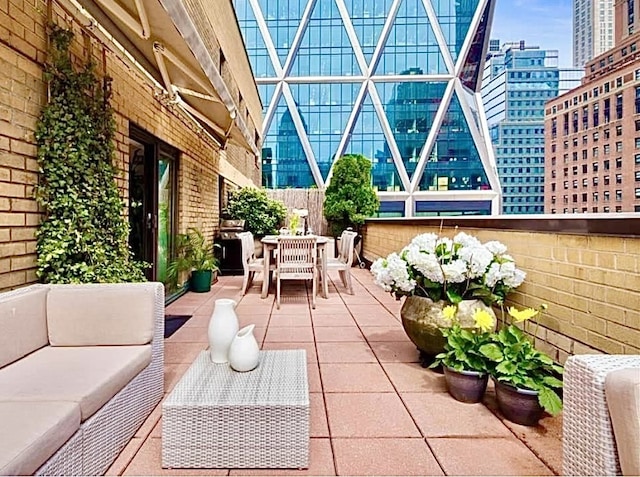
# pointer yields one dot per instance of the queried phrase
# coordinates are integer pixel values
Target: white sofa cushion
(622, 388)
(89, 376)
(31, 432)
(23, 323)
(101, 314)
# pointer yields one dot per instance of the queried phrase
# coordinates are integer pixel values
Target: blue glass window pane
(284, 163)
(325, 108)
(470, 74)
(283, 19)
(367, 139)
(266, 95)
(368, 18)
(256, 49)
(410, 108)
(454, 162)
(411, 47)
(455, 17)
(325, 49)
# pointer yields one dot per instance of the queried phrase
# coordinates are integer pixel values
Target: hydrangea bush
(453, 270)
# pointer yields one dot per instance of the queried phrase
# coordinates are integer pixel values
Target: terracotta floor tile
(359, 298)
(319, 425)
(384, 457)
(182, 353)
(488, 456)
(193, 334)
(433, 413)
(147, 426)
(411, 377)
(381, 318)
(395, 351)
(313, 376)
(297, 309)
(303, 319)
(298, 334)
(125, 456)
(330, 309)
(384, 333)
(253, 309)
(198, 321)
(148, 461)
(339, 352)
(343, 319)
(320, 463)
(354, 378)
(245, 319)
(309, 347)
(338, 333)
(368, 415)
(172, 374)
(179, 308)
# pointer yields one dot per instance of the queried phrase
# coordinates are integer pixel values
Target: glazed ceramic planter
(201, 281)
(244, 352)
(466, 386)
(518, 405)
(422, 319)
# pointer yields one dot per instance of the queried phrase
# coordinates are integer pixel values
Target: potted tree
(194, 253)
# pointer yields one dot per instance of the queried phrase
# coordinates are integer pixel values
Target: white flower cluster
(430, 260)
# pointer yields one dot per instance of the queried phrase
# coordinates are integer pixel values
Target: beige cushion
(622, 388)
(23, 323)
(101, 314)
(31, 432)
(90, 376)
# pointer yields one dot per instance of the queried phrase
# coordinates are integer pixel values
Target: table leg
(266, 255)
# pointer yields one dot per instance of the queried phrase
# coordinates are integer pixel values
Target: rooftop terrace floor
(374, 409)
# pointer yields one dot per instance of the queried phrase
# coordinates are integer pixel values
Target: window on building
(595, 181)
(606, 180)
(584, 154)
(605, 209)
(637, 176)
(637, 158)
(596, 136)
(585, 168)
(566, 144)
(619, 82)
(574, 198)
(585, 182)
(637, 123)
(595, 167)
(594, 151)
(575, 183)
(606, 88)
(619, 130)
(554, 127)
(606, 196)
(618, 195)
(637, 99)
(553, 174)
(566, 184)
(637, 192)
(619, 146)
(605, 165)
(553, 187)
(585, 117)
(618, 162)
(607, 110)
(575, 142)
(565, 126)
(637, 141)
(565, 158)
(595, 196)
(566, 172)
(553, 199)
(607, 134)
(584, 197)
(606, 149)
(575, 121)
(619, 106)
(618, 178)
(585, 140)
(594, 210)
(575, 170)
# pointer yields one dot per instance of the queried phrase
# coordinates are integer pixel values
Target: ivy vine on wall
(84, 236)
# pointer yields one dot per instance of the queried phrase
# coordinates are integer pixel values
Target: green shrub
(263, 216)
(84, 235)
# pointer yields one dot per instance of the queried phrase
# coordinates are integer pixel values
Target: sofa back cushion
(23, 322)
(101, 314)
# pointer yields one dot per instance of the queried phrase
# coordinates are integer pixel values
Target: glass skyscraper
(395, 80)
(518, 81)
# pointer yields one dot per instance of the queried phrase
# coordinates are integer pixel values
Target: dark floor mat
(172, 323)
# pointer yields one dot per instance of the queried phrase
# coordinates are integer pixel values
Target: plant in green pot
(526, 379)
(466, 368)
(195, 254)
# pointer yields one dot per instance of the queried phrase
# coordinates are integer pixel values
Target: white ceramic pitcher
(223, 328)
(244, 352)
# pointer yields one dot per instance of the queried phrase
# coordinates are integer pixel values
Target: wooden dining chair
(297, 260)
(250, 264)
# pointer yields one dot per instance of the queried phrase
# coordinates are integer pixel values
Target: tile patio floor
(374, 410)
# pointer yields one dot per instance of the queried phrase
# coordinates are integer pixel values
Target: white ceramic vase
(223, 328)
(244, 353)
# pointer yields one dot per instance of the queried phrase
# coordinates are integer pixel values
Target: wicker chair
(588, 441)
(297, 260)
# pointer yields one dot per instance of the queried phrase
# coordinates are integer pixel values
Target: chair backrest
(248, 249)
(297, 255)
(347, 243)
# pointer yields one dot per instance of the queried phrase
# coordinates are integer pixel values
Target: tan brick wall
(590, 282)
(22, 95)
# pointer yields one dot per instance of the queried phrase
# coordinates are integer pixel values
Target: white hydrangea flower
(447, 242)
(478, 258)
(425, 241)
(381, 274)
(466, 240)
(456, 271)
(516, 279)
(495, 247)
(425, 263)
(399, 273)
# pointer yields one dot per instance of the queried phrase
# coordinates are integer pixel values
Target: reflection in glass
(470, 74)
(164, 216)
(368, 18)
(283, 20)
(256, 49)
(454, 17)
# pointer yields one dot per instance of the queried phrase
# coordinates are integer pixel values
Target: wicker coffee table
(218, 418)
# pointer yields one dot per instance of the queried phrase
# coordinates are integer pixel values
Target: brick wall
(590, 282)
(22, 95)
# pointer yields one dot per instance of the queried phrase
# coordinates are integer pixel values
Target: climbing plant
(84, 236)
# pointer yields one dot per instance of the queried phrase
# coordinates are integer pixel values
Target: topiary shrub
(263, 215)
(84, 235)
(350, 198)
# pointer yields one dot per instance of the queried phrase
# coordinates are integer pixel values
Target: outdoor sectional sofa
(81, 367)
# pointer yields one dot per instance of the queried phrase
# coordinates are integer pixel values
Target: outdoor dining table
(270, 243)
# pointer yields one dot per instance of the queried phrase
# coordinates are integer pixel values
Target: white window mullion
(442, 42)
(297, 39)
(473, 28)
(266, 37)
(353, 37)
(384, 34)
(271, 110)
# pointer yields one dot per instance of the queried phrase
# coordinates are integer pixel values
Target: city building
(593, 29)
(395, 80)
(592, 133)
(518, 80)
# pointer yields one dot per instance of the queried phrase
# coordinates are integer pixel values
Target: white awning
(162, 36)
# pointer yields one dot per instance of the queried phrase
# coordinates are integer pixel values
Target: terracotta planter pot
(518, 405)
(422, 319)
(466, 386)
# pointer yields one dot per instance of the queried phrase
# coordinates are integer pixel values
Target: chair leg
(250, 281)
(278, 292)
(245, 283)
(342, 278)
(347, 274)
(314, 287)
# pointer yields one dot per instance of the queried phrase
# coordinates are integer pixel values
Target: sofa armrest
(104, 314)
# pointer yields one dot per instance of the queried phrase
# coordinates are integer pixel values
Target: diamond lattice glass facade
(395, 80)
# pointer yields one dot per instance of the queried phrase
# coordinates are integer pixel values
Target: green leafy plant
(84, 235)
(518, 363)
(263, 216)
(462, 348)
(350, 197)
(194, 252)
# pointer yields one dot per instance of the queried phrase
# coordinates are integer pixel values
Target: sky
(543, 23)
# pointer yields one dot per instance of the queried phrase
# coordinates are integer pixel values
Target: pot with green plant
(465, 367)
(195, 254)
(526, 379)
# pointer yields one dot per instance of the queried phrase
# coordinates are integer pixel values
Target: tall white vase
(244, 352)
(223, 328)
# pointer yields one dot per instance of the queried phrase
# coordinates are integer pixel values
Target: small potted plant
(195, 254)
(466, 368)
(526, 379)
